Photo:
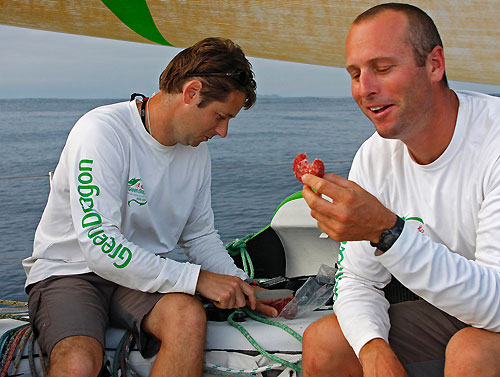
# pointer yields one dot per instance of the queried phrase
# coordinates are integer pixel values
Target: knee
(193, 314)
(180, 311)
(312, 338)
(322, 336)
(468, 353)
(325, 350)
(77, 357)
(458, 344)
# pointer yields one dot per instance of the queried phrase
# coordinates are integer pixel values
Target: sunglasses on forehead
(243, 77)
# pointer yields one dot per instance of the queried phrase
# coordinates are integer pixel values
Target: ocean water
(251, 167)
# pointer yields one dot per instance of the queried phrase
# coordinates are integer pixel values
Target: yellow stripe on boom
(306, 31)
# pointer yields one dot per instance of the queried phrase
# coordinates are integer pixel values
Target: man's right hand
(352, 214)
(225, 291)
(379, 360)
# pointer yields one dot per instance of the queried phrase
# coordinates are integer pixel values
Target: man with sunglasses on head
(422, 205)
(132, 183)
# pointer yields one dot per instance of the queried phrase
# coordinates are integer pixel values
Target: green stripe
(294, 196)
(136, 15)
(414, 218)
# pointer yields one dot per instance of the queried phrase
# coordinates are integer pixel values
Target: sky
(43, 64)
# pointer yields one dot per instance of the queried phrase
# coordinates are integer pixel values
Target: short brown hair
(211, 55)
(423, 34)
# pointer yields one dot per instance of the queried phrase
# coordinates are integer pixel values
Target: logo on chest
(136, 194)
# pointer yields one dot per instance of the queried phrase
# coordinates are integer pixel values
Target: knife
(273, 294)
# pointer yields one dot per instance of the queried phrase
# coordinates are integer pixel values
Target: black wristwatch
(389, 236)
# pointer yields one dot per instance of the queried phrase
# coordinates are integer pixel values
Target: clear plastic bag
(313, 294)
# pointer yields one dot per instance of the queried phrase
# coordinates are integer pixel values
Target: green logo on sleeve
(91, 219)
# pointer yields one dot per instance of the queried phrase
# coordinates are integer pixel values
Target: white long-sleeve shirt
(449, 250)
(120, 202)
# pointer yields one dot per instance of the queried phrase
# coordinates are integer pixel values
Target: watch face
(389, 236)
(387, 239)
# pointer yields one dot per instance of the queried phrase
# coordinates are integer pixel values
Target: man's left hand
(264, 306)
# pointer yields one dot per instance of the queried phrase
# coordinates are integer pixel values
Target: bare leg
(76, 356)
(473, 352)
(179, 321)
(326, 352)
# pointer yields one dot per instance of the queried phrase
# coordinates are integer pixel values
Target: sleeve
(360, 305)
(96, 167)
(466, 289)
(199, 238)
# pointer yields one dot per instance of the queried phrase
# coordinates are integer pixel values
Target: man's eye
(354, 75)
(383, 69)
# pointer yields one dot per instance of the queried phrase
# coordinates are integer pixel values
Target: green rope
(282, 326)
(239, 247)
(252, 341)
(16, 317)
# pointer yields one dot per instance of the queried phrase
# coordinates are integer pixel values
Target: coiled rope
(13, 343)
(11, 348)
(240, 247)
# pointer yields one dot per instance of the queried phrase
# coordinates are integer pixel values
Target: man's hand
(379, 360)
(226, 292)
(229, 292)
(353, 215)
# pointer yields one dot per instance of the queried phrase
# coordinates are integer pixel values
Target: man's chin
(387, 132)
(196, 143)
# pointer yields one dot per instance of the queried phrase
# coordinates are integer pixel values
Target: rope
(281, 325)
(4, 341)
(261, 350)
(45, 364)
(127, 346)
(239, 247)
(31, 359)
(31, 352)
(26, 336)
(12, 344)
(13, 303)
(12, 316)
(120, 360)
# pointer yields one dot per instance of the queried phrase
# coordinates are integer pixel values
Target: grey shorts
(64, 306)
(419, 334)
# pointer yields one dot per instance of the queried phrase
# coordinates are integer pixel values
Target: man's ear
(191, 91)
(435, 63)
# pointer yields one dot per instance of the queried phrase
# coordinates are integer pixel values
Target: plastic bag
(314, 293)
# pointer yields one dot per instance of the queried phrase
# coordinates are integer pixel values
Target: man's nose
(222, 128)
(368, 84)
